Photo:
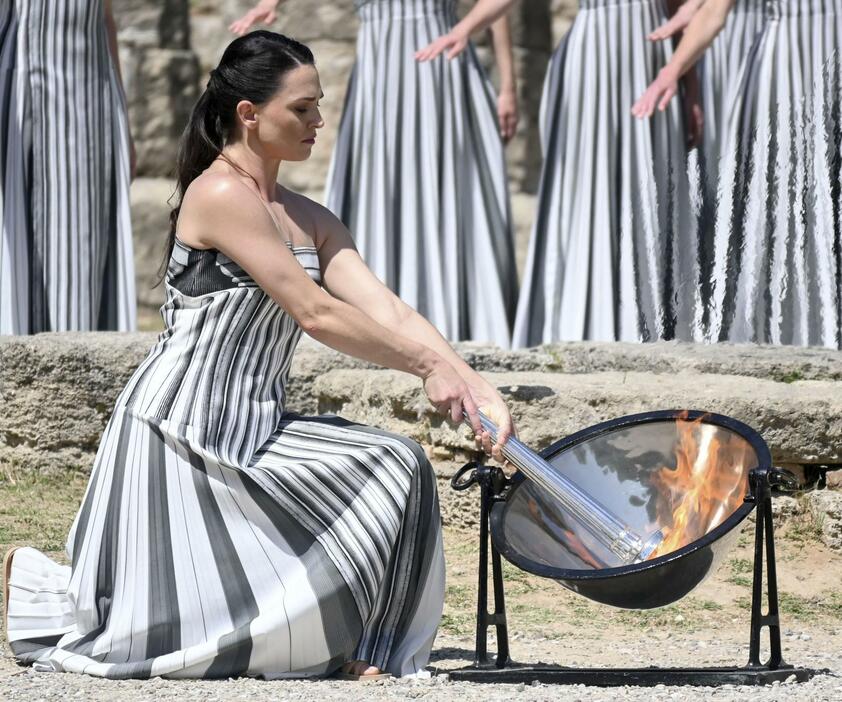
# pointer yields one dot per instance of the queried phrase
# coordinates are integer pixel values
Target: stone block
(160, 24)
(834, 479)
(150, 228)
(826, 508)
(801, 422)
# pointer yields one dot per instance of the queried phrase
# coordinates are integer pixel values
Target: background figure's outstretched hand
(677, 22)
(454, 43)
(507, 114)
(657, 95)
(264, 12)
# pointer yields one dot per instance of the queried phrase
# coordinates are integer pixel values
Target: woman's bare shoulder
(215, 203)
(314, 218)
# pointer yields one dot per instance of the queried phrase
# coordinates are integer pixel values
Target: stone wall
(57, 392)
(160, 75)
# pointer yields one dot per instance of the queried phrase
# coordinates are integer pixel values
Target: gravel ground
(820, 650)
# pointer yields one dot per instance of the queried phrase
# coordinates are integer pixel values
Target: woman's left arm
(111, 31)
(346, 276)
(507, 110)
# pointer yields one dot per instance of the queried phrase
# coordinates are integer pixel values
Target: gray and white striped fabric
(219, 536)
(614, 249)
(721, 70)
(65, 229)
(777, 268)
(419, 175)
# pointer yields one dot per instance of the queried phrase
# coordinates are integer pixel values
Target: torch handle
(609, 530)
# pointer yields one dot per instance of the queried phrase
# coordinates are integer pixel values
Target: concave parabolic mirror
(684, 474)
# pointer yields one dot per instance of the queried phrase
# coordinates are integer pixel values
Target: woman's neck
(263, 171)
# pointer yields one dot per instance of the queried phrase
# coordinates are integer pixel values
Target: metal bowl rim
(764, 460)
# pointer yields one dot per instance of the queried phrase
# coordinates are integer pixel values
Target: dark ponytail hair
(251, 68)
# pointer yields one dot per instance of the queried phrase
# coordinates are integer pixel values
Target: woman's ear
(247, 114)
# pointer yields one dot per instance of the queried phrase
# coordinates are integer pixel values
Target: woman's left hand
(657, 95)
(265, 12)
(493, 406)
(454, 43)
(507, 114)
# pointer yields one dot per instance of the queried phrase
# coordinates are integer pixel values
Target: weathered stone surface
(160, 76)
(150, 227)
(826, 508)
(801, 422)
(57, 391)
(161, 90)
(161, 24)
(834, 478)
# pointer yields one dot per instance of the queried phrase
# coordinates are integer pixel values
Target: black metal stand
(493, 486)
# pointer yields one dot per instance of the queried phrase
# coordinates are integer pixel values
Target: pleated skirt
(614, 249)
(65, 227)
(418, 174)
(326, 547)
(720, 70)
(777, 269)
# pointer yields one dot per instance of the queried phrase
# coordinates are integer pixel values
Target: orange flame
(704, 488)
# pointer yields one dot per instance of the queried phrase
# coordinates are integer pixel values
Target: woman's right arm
(454, 42)
(699, 34)
(240, 226)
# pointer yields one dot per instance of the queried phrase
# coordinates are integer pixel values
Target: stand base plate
(644, 677)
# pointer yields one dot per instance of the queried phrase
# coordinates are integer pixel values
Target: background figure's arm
(455, 41)
(111, 31)
(507, 108)
(699, 34)
(678, 21)
(265, 12)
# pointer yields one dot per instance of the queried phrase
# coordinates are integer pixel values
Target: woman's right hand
(450, 394)
(264, 11)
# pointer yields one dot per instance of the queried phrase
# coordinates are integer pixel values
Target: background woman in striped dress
(65, 230)
(613, 253)
(777, 268)
(218, 535)
(418, 174)
(720, 72)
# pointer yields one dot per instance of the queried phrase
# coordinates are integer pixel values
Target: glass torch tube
(621, 540)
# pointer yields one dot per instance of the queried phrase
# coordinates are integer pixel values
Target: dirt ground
(547, 624)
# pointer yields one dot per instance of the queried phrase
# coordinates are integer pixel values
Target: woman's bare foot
(361, 670)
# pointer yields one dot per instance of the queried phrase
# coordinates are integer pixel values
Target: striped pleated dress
(777, 267)
(65, 228)
(614, 251)
(418, 174)
(720, 72)
(220, 536)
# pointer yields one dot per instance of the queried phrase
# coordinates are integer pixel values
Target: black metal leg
(500, 610)
(491, 482)
(764, 535)
(481, 650)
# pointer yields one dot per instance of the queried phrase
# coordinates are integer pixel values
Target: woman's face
(286, 124)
